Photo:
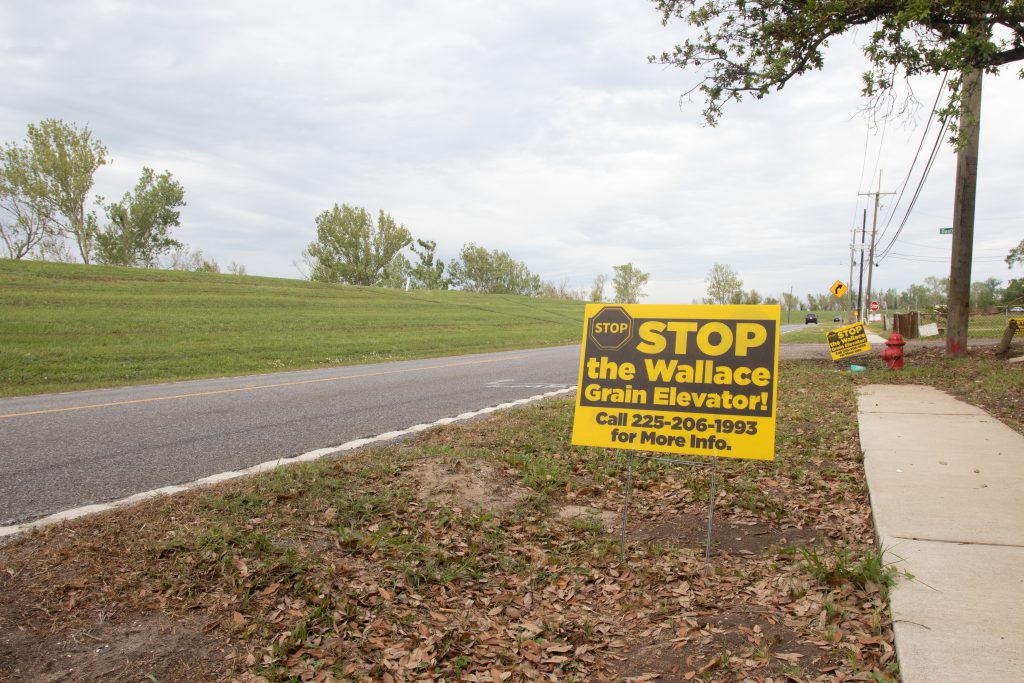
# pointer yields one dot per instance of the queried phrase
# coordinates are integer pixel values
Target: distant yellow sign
(839, 288)
(1020, 325)
(698, 379)
(847, 341)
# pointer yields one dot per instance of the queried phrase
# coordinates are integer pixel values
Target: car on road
(811, 318)
(1017, 309)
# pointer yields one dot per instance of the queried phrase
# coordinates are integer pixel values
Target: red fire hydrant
(893, 352)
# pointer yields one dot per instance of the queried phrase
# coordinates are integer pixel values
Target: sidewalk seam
(922, 539)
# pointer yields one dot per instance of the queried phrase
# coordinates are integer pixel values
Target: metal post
(874, 227)
(860, 282)
(625, 506)
(711, 515)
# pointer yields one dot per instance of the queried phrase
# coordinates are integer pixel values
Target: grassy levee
(66, 327)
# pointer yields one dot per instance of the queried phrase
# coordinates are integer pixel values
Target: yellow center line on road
(255, 387)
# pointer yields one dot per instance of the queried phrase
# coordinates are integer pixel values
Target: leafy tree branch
(754, 48)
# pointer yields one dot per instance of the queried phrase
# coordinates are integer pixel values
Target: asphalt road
(60, 451)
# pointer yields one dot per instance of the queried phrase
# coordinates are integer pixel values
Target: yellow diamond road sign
(839, 288)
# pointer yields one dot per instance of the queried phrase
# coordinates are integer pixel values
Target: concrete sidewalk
(947, 491)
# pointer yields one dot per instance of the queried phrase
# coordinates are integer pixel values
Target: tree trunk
(1003, 349)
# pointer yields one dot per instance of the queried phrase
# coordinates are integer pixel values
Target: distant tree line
(724, 286)
(45, 183)
(353, 248)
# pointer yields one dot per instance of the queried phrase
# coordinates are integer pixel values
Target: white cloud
(534, 127)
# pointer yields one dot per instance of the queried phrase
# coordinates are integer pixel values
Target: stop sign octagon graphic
(611, 328)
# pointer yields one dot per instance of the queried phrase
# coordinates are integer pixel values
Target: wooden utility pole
(849, 281)
(860, 281)
(874, 227)
(963, 215)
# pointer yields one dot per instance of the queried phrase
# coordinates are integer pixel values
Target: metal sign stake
(672, 461)
(711, 515)
(625, 507)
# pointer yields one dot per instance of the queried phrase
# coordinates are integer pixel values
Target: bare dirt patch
(145, 646)
(722, 647)
(609, 520)
(690, 530)
(466, 483)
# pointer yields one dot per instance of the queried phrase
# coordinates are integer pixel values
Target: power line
(860, 181)
(946, 248)
(917, 192)
(917, 154)
(927, 258)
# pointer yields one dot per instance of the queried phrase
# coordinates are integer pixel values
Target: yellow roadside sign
(839, 288)
(847, 341)
(696, 379)
(1020, 325)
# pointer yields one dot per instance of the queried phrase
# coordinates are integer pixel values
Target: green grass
(980, 326)
(846, 565)
(810, 334)
(66, 327)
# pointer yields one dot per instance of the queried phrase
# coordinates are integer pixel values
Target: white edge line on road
(75, 513)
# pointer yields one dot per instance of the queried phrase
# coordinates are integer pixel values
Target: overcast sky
(533, 127)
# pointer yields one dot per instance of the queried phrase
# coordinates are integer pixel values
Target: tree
(724, 285)
(597, 289)
(396, 273)
(183, 258)
(824, 302)
(1016, 255)
(751, 48)
(428, 273)
(790, 302)
(25, 222)
(938, 287)
(920, 297)
(1014, 292)
(492, 272)
(140, 224)
(1013, 295)
(350, 249)
(561, 290)
(986, 294)
(628, 281)
(893, 299)
(64, 159)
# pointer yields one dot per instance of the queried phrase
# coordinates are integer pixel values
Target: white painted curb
(317, 454)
